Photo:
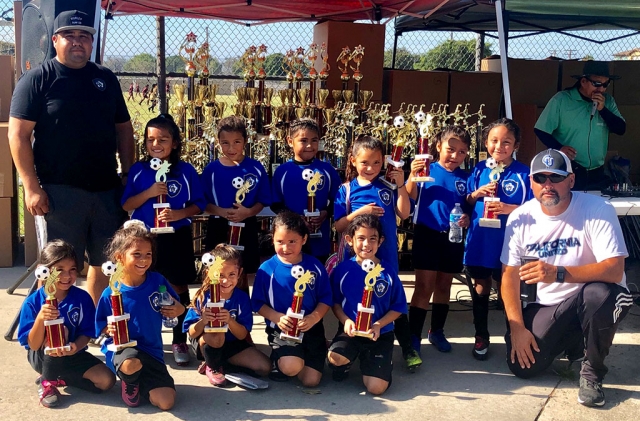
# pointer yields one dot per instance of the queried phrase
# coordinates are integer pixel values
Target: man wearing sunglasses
(578, 120)
(579, 277)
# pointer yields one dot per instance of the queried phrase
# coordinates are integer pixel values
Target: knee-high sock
(180, 337)
(481, 315)
(417, 317)
(402, 332)
(439, 314)
(212, 356)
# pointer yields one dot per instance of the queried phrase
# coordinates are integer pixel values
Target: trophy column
(162, 169)
(364, 316)
(119, 318)
(54, 329)
(295, 312)
(215, 302)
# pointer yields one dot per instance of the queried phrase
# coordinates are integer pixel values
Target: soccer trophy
(295, 312)
(423, 121)
(54, 329)
(365, 309)
(395, 159)
(162, 169)
(489, 217)
(215, 302)
(119, 318)
(313, 178)
(243, 186)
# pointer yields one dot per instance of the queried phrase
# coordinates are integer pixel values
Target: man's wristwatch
(560, 272)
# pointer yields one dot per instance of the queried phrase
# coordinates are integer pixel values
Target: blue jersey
(288, 178)
(143, 305)
(347, 284)
(484, 245)
(220, 183)
(239, 308)
(274, 286)
(76, 309)
(436, 200)
(183, 185)
(374, 192)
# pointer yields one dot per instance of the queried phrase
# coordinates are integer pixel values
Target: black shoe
(480, 348)
(276, 375)
(590, 393)
(339, 374)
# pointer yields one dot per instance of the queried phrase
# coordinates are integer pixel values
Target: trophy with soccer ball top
(394, 161)
(216, 302)
(423, 121)
(313, 179)
(295, 312)
(119, 318)
(490, 217)
(235, 228)
(162, 169)
(365, 309)
(54, 329)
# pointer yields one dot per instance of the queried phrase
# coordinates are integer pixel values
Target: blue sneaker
(415, 344)
(438, 339)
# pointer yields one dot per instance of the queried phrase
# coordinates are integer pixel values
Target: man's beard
(550, 202)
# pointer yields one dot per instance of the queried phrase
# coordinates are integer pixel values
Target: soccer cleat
(48, 392)
(415, 344)
(130, 394)
(216, 377)
(180, 354)
(202, 368)
(481, 348)
(413, 360)
(438, 339)
(590, 393)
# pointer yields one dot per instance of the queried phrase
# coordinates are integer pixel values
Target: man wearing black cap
(581, 284)
(77, 114)
(578, 120)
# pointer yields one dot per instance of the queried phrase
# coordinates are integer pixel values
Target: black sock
(417, 317)
(212, 356)
(129, 378)
(88, 385)
(438, 316)
(481, 315)
(180, 337)
(402, 332)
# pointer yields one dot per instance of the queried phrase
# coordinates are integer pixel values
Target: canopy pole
(479, 50)
(104, 40)
(502, 38)
(160, 65)
(395, 47)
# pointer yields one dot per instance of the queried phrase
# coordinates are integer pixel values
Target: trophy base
(315, 235)
(422, 179)
(289, 338)
(49, 351)
(115, 348)
(490, 223)
(220, 329)
(387, 183)
(311, 214)
(363, 334)
(54, 322)
(164, 230)
(237, 247)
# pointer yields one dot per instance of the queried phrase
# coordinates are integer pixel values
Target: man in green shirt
(577, 121)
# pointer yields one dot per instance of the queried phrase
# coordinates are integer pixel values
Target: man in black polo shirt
(77, 114)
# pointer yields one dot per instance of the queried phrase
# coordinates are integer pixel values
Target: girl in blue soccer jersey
(236, 188)
(435, 258)
(293, 180)
(141, 369)
(272, 295)
(231, 347)
(365, 234)
(484, 244)
(75, 367)
(174, 251)
(364, 193)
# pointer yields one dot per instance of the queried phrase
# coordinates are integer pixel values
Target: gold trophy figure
(365, 312)
(324, 72)
(162, 169)
(344, 58)
(119, 318)
(216, 302)
(54, 329)
(489, 217)
(189, 49)
(314, 179)
(288, 65)
(243, 187)
(295, 312)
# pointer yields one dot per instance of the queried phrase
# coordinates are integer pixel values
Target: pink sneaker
(180, 354)
(130, 394)
(48, 392)
(217, 377)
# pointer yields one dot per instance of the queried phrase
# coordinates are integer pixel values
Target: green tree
(231, 66)
(404, 59)
(142, 63)
(273, 65)
(174, 64)
(452, 54)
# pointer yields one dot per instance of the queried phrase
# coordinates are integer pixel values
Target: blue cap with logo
(551, 161)
(73, 20)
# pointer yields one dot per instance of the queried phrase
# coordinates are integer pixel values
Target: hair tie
(134, 222)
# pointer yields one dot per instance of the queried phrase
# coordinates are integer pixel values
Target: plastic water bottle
(455, 231)
(167, 300)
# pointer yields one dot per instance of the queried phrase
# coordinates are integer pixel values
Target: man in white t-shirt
(581, 285)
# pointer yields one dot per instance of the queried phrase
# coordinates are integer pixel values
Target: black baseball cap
(596, 68)
(552, 161)
(73, 20)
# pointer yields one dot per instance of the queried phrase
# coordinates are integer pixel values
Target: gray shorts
(87, 220)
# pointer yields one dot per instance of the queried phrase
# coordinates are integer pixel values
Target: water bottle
(455, 231)
(167, 300)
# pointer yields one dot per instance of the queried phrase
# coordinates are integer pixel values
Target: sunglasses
(555, 178)
(599, 84)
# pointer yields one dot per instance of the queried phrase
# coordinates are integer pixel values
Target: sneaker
(48, 392)
(276, 375)
(216, 377)
(481, 348)
(415, 344)
(590, 393)
(202, 368)
(413, 360)
(130, 394)
(438, 339)
(181, 353)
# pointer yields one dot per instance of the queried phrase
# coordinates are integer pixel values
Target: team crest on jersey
(509, 187)
(154, 300)
(312, 283)
(381, 287)
(233, 313)
(461, 187)
(386, 196)
(100, 84)
(73, 314)
(173, 187)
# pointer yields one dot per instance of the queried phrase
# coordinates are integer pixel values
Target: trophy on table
(365, 309)
(119, 318)
(216, 302)
(54, 329)
(295, 312)
(235, 228)
(490, 218)
(313, 179)
(162, 169)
